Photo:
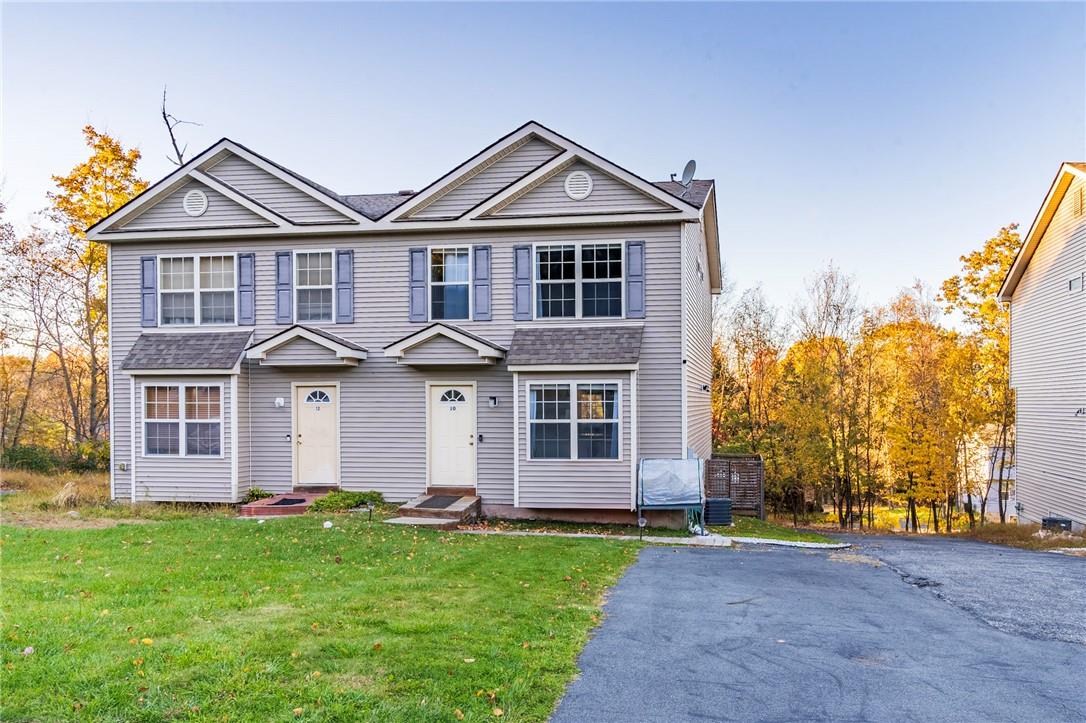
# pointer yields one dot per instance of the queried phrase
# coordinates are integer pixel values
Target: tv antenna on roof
(688, 176)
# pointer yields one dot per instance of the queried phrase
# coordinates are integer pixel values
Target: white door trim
(474, 424)
(294, 430)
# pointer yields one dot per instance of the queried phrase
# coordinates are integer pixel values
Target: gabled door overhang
(301, 346)
(443, 345)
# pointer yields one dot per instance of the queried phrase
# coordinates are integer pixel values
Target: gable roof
(343, 348)
(484, 347)
(392, 211)
(194, 169)
(195, 351)
(1068, 171)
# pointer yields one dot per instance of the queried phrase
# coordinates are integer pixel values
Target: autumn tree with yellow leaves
(867, 407)
(54, 282)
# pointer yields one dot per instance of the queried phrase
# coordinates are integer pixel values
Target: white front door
(316, 435)
(452, 435)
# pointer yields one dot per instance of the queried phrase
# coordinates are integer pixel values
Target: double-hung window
(197, 290)
(573, 421)
(556, 281)
(450, 274)
(578, 281)
(313, 285)
(182, 420)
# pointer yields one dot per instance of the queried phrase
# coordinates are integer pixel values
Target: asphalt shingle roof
(188, 350)
(584, 345)
(375, 205)
(696, 194)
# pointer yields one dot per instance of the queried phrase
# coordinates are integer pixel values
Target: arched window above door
(452, 396)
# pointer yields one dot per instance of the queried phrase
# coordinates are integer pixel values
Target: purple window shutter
(417, 280)
(148, 291)
(247, 289)
(635, 279)
(284, 287)
(481, 291)
(522, 283)
(344, 287)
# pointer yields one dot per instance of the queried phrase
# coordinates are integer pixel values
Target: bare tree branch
(172, 122)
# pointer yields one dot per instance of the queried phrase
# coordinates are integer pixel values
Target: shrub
(90, 456)
(31, 458)
(254, 494)
(342, 500)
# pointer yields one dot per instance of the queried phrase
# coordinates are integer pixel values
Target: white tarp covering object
(670, 482)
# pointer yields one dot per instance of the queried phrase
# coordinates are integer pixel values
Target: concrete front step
(464, 509)
(434, 523)
(267, 507)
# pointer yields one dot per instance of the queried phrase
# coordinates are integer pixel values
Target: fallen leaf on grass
(498, 712)
(459, 714)
(147, 641)
(297, 712)
(378, 646)
(469, 660)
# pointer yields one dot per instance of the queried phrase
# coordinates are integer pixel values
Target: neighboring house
(529, 325)
(984, 475)
(1048, 354)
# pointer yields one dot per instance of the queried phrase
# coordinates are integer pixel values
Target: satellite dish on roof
(688, 173)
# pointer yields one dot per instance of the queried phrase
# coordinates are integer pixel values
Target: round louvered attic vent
(195, 202)
(578, 185)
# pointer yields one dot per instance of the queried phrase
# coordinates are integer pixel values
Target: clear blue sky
(889, 138)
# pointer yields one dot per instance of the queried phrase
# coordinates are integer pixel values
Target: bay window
(573, 421)
(188, 412)
(449, 283)
(197, 290)
(579, 280)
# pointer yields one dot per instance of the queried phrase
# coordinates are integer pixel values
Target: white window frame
(430, 283)
(297, 287)
(196, 289)
(578, 279)
(574, 418)
(181, 420)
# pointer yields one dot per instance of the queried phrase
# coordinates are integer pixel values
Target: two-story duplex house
(528, 326)
(1046, 288)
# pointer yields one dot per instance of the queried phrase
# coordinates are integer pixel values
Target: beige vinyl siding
(383, 436)
(442, 350)
(183, 479)
(490, 179)
(698, 321)
(299, 352)
(273, 192)
(1048, 371)
(581, 483)
(168, 213)
(608, 194)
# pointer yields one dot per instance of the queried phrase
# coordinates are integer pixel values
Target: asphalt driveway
(887, 631)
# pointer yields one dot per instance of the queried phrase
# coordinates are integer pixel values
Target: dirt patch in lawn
(68, 522)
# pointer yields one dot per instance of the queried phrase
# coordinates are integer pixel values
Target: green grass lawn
(207, 617)
(753, 527)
